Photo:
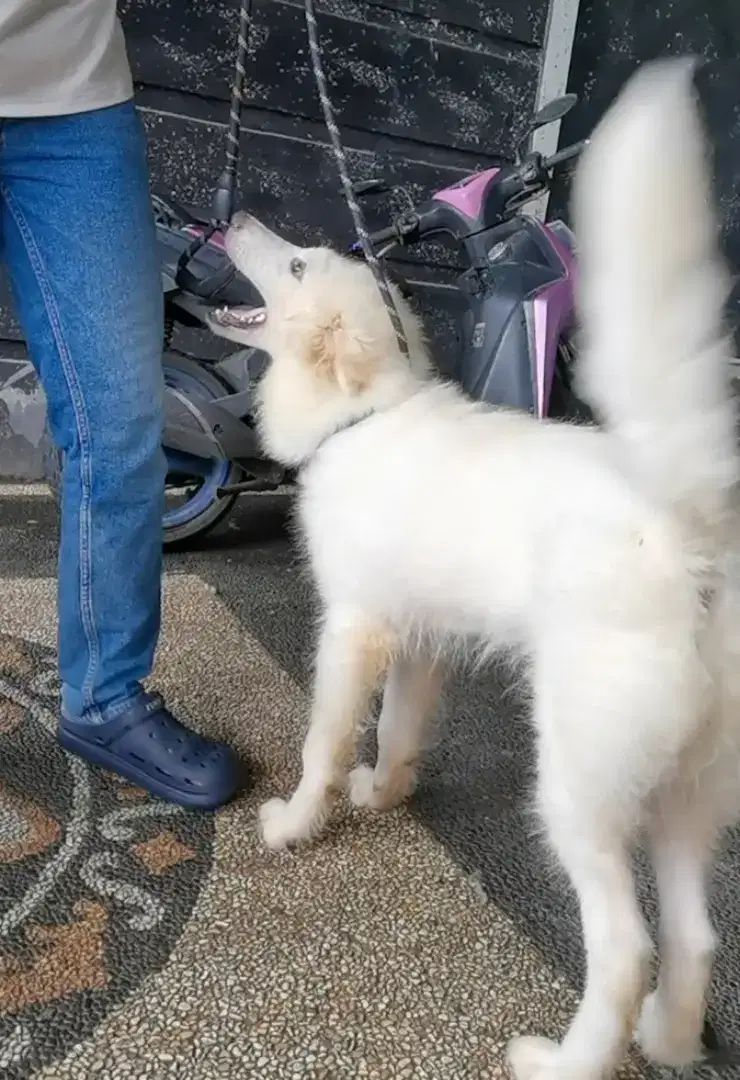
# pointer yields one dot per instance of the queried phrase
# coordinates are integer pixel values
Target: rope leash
(349, 193)
(237, 90)
(223, 201)
(222, 209)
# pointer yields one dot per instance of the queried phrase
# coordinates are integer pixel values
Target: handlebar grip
(566, 154)
(382, 236)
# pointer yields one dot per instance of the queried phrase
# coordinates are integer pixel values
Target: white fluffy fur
(601, 555)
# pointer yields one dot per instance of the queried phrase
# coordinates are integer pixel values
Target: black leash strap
(349, 192)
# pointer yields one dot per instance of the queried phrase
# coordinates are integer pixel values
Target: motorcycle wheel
(192, 505)
(202, 509)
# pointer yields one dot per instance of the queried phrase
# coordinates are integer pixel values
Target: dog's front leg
(353, 653)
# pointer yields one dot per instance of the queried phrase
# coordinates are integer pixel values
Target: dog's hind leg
(683, 832)
(411, 692)
(353, 653)
(590, 828)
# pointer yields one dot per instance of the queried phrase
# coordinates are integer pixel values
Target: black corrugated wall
(425, 91)
(614, 36)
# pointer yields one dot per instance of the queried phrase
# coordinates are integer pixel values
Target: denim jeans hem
(110, 712)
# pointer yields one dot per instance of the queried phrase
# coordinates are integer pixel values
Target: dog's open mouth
(238, 318)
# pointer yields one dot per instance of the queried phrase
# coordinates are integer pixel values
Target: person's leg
(78, 238)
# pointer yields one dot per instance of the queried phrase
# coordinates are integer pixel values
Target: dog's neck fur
(354, 422)
(293, 437)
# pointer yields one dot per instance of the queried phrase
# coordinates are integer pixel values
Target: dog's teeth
(227, 316)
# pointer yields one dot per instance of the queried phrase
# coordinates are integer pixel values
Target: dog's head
(334, 353)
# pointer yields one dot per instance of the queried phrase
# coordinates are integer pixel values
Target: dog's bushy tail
(652, 293)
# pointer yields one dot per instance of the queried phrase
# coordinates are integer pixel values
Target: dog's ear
(346, 358)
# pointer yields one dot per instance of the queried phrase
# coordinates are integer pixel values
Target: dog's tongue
(239, 318)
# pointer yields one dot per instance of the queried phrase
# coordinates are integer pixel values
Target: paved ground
(139, 941)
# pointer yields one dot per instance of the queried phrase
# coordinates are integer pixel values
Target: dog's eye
(297, 268)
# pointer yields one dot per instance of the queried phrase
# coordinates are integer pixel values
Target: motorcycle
(518, 282)
(516, 330)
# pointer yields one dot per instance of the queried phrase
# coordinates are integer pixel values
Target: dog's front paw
(533, 1058)
(279, 826)
(663, 1042)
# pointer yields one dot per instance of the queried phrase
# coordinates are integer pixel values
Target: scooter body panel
(520, 300)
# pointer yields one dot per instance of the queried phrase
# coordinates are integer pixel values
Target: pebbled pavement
(173, 946)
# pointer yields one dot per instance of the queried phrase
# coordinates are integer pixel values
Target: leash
(340, 157)
(223, 200)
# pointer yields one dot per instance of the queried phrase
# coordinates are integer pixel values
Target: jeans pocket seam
(83, 435)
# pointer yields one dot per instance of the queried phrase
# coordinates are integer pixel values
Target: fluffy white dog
(602, 556)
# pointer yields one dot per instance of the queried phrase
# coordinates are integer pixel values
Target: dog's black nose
(240, 219)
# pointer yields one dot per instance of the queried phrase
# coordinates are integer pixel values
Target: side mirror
(554, 110)
(548, 114)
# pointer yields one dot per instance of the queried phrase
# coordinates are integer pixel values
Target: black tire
(175, 536)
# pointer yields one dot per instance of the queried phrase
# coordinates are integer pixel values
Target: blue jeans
(77, 235)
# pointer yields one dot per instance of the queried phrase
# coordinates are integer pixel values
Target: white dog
(601, 555)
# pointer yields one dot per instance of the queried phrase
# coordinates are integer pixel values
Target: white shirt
(61, 56)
